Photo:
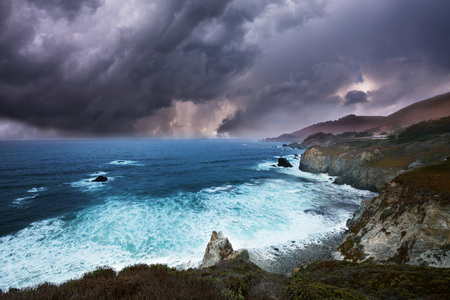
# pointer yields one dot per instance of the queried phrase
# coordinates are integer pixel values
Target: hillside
(237, 279)
(429, 109)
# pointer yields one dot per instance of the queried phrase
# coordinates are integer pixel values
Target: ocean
(162, 200)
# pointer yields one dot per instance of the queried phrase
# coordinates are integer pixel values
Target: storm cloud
(354, 97)
(195, 67)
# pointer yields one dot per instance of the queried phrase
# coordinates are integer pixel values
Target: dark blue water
(160, 203)
(159, 168)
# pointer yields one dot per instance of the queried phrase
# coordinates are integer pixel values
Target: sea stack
(283, 162)
(220, 249)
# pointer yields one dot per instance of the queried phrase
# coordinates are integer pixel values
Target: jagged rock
(100, 179)
(409, 222)
(219, 249)
(283, 162)
(351, 167)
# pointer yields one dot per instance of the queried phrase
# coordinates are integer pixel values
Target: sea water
(162, 200)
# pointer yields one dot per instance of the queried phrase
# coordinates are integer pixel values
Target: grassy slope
(242, 280)
(397, 155)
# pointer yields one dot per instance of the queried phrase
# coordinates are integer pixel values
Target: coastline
(298, 254)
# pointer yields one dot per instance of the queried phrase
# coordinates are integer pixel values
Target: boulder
(100, 179)
(283, 162)
(220, 249)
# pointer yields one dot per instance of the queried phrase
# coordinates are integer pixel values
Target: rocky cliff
(371, 164)
(409, 222)
(352, 166)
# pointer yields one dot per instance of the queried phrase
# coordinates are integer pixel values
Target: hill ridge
(432, 108)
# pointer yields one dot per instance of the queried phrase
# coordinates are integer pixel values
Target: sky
(202, 68)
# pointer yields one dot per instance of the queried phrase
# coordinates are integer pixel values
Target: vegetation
(240, 279)
(425, 130)
(432, 180)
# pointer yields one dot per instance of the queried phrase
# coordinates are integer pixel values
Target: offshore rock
(409, 222)
(220, 249)
(283, 162)
(100, 179)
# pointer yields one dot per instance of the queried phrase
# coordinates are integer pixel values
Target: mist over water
(162, 200)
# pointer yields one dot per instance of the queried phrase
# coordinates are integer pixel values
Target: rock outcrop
(220, 249)
(100, 179)
(351, 167)
(409, 222)
(283, 162)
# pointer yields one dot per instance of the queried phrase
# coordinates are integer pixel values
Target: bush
(424, 130)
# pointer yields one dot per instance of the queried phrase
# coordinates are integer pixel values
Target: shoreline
(294, 255)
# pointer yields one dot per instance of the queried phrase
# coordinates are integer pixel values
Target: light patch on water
(89, 185)
(125, 163)
(294, 171)
(174, 230)
(99, 173)
(37, 189)
(23, 202)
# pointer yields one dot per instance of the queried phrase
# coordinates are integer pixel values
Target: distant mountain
(429, 109)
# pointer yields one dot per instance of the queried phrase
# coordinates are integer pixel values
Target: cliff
(352, 166)
(409, 222)
(371, 164)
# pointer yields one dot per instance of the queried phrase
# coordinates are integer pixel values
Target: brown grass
(243, 280)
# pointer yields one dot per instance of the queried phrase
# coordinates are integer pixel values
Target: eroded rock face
(219, 249)
(351, 168)
(406, 223)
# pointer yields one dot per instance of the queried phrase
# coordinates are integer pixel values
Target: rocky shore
(292, 256)
(409, 222)
(352, 166)
(372, 164)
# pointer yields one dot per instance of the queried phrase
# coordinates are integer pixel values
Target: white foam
(37, 189)
(173, 230)
(87, 184)
(99, 173)
(294, 171)
(125, 162)
(219, 189)
(23, 202)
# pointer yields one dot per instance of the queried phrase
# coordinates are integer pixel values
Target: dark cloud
(93, 67)
(290, 101)
(66, 8)
(143, 70)
(354, 97)
(375, 42)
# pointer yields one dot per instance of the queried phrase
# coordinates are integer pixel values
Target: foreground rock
(409, 222)
(283, 162)
(100, 179)
(220, 249)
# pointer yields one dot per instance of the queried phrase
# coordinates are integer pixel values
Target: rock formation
(220, 249)
(100, 179)
(409, 222)
(283, 162)
(351, 167)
